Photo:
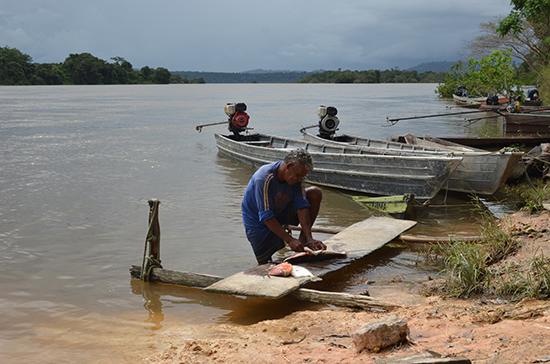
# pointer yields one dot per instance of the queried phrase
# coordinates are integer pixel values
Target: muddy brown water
(78, 164)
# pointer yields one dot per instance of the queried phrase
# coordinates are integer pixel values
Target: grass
(529, 280)
(470, 268)
(532, 194)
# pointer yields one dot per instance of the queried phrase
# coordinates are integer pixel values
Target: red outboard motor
(238, 118)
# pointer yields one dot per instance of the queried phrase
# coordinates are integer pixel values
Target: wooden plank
(257, 282)
(197, 280)
(358, 240)
(364, 237)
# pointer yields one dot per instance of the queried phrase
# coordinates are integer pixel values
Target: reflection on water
(237, 309)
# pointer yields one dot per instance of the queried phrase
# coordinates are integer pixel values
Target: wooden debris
(424, 358)
(340, 299)
(435, 240)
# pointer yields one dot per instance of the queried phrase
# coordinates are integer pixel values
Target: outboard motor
(238, 118)
(462, 91)
(492, 100)
(328, 122)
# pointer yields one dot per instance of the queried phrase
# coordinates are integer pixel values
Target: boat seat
(261, 143)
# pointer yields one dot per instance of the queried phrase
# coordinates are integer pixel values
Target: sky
(243, 35)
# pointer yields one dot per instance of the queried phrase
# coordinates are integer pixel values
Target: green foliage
(373, 76)
(467, 266)
(489, 75)
(530, 194)
(49, 74)
(535, 15)
(16, 68)
(528, 280)
(176, 78)
(464, 268)
(162, 75)
(534, 11)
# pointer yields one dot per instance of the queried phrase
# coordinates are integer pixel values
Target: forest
(17, 68)
(394, 75)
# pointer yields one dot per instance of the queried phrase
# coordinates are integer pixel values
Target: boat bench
(260, 143)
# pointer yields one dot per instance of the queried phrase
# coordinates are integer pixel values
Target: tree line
(17, 68)
(260, 76)
(374, 76)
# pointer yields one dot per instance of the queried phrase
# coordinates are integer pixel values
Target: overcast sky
(241, 35)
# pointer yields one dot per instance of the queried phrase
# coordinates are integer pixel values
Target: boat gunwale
(449, 156)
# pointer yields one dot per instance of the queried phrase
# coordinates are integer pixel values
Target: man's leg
(314, 196)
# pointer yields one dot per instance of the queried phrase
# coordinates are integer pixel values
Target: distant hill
(436, 67)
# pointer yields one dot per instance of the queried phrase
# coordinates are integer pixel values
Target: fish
(282, 270)
(315, 255)
(298, 272)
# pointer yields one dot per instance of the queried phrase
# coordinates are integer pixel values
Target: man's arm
(277, 228)
(305, 223)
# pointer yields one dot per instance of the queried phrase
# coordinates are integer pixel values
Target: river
(78, 164)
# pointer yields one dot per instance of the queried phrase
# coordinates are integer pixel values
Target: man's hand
(295, 245)
(316, 245)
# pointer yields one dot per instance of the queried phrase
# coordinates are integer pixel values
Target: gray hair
(301, 156)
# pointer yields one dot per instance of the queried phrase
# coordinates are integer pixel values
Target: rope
(151, 259)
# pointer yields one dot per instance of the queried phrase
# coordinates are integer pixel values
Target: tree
(16, 68)
(48, 74)
(162, 75)
(535, 13)
(85, 69)
(490, 75)
(525, 45)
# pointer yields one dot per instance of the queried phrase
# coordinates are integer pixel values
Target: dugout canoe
(350, 168)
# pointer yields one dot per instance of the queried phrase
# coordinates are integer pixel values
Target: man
(276, 196)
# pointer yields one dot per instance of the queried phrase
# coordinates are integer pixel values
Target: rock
(380, 334)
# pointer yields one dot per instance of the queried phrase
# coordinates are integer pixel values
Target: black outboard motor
(462, 91)
(328, 122)
(492, 100)
(238, 118)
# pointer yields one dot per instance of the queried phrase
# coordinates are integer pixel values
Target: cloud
(215, 35)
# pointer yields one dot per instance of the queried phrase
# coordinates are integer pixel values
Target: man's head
(298, 163)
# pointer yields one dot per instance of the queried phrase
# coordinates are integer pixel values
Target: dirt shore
(483, 330)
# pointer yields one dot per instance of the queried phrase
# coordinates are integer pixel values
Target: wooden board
(358, 240)
(258, 283)
(364, 237)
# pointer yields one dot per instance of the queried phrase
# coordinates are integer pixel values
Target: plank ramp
(358, 241)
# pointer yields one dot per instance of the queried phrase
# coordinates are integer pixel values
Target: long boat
(475, 102)
(527, 122)
(350, 168)
(482, 172)
(491, 142)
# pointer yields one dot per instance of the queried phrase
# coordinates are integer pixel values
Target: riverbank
(483, 329)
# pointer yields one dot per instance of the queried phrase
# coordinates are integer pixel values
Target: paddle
(394, 121)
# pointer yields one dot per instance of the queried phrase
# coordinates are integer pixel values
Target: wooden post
(153, 235)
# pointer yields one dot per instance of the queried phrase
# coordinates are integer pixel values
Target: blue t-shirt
(266, 197)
